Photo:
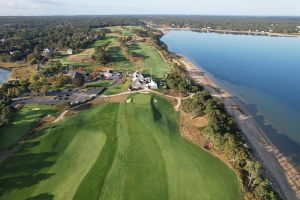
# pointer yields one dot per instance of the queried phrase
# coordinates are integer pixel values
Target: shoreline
(10, 74)
(17, 69)
(277, 167)
(166, 30)
(6, 68)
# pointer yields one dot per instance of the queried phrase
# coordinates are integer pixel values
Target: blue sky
(104, 7)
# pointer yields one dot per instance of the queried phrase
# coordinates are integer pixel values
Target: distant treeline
(24, 36)
(21, 37)
(274, 24)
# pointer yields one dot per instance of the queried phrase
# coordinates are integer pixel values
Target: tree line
(10, 90)
(223, 133)
(276, 24)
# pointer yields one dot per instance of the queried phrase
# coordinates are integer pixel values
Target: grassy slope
(55, 163)
(153, 61)
(117, 151)
(118, 88)
(157, 159)
(109, 39)
(119, 60)
(24, 121)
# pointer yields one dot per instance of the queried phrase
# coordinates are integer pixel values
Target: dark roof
(77, 75)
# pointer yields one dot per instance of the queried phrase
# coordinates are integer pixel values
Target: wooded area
(234, 23)
(27, 37)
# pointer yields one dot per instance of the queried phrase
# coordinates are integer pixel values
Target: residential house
(46, 50)
(111, 75)
(152, 85)
(108, 74)
(141, 82)
(70, 51)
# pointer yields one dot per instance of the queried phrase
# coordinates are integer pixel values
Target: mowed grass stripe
(146, 174)
(77, 159)
(144, 157)
(20, 175)
(92, 184)
(192, 172)
(114, 186)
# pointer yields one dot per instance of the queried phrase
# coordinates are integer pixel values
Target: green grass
(153, 62)
(112, 40)
(55, 162)
(120, 62)
(117, 151)
(118, 88)
(24, 120)
(64, 60)
(125, 30)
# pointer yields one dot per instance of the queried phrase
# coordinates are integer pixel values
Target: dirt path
(160, 53)
(262, 146)
(61, 116)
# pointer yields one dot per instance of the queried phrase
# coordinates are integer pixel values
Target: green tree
(100, 55)
(79, 81)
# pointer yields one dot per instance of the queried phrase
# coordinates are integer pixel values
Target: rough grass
(19, 69)
(117, 151)
(24, 120)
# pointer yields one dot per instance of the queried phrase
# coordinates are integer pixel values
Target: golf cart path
(61, 116)
(177, 106)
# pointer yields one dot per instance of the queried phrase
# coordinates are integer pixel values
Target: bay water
(261, 72)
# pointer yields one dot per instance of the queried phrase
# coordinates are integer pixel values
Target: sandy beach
(278, 168)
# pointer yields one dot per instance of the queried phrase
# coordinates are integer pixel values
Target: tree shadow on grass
(44, 196)
(157, 116)
(25, 170)
(116, 55)
(134, 47)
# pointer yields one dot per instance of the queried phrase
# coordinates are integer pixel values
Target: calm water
(4, 75)
(262, 72)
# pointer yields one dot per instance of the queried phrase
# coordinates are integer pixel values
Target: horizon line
(210, 15)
